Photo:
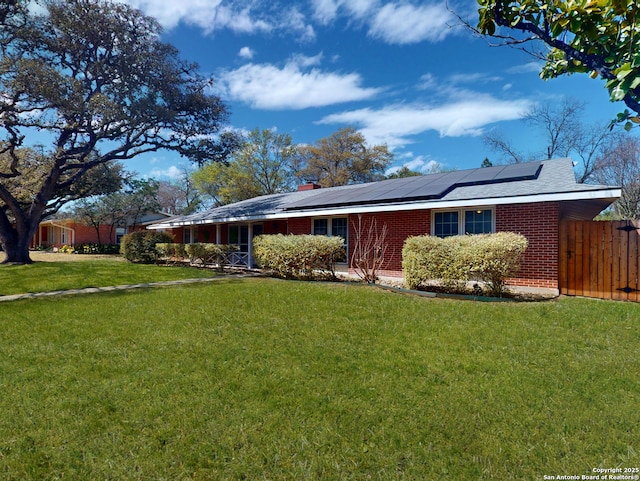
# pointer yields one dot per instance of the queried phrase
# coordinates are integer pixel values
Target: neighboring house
(58, 232)
(530, 198)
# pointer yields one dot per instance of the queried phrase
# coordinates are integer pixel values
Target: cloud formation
(240, 16)
(398, 124)
(404, 23)
(399, 22)
(294, 86)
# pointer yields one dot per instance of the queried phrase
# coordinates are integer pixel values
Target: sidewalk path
(91, 290)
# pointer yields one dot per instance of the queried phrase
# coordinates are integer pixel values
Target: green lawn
(87, 272)
(265, 379)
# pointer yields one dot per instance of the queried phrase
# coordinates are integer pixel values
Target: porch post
(218, 233)
(250, 246)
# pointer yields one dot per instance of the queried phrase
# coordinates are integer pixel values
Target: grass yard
(52, 272)
(262, 379)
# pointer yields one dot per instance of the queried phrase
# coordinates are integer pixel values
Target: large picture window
(448, 223)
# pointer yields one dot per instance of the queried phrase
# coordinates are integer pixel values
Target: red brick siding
(400, 225)
(300, 225)
(275, 227)
(87, 235)
(540, 224)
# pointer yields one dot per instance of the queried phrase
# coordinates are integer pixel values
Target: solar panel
(427, 187)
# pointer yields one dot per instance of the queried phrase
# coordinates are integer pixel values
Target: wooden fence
(600, 259)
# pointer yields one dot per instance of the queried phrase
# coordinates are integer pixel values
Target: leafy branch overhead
(598, 37)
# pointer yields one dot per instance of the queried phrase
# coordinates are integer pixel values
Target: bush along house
(530, 199)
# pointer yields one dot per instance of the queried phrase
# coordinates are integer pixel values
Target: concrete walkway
(91, 290)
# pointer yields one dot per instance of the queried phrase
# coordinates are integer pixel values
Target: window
(190, 235)
(332, 226)
(446, 224)
(478, 221)
(467, 221)
(321, 227)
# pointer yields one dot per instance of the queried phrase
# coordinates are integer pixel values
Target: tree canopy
(597, 37)
(93, 79)
(261, 166)
(123, 208)
(342, 158)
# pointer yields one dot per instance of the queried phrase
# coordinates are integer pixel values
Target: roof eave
(606, 195)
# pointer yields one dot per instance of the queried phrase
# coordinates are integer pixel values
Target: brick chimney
(309, 186)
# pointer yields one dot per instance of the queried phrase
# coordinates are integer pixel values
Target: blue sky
(402, 72)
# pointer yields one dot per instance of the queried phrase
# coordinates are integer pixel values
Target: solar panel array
(424, 187)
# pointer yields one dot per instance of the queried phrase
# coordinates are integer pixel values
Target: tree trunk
(16, 238)
(17, 252)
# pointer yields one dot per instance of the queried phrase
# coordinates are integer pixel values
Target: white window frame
(192, 236)
(329, 233)
(461, 217)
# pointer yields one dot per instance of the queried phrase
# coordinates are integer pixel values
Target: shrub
(89, 248)
(65, 249)
(140, 246)
(205, 253)
(453, 261)
(171, 251)
(497, 257)
(298, 256)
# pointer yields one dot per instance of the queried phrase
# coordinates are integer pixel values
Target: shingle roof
(541, 178)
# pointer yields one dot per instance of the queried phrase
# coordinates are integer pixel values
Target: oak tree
(91, 80)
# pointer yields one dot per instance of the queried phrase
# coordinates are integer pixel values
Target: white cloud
(246, 52)
(473, 78)
(240, 16)
(528, 67)
(416, 164)
(427, 82)
(294, 20)
(396, 125)
(326, 11)
(171, 172)
(395, 22)
(399, 22)
(293, 86)
(403, 23)
(423, 165)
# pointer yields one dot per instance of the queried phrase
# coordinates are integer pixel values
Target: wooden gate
(600, 259)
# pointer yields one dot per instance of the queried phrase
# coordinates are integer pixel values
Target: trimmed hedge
(205, 253)
(140, 246)
(453, 261)
(298, 256)
(171, 251)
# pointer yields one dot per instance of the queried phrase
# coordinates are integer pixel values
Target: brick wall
(400, 225)
(540, 224)
(299, 225)
(87, 234)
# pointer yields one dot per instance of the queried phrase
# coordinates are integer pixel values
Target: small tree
(370, 248)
